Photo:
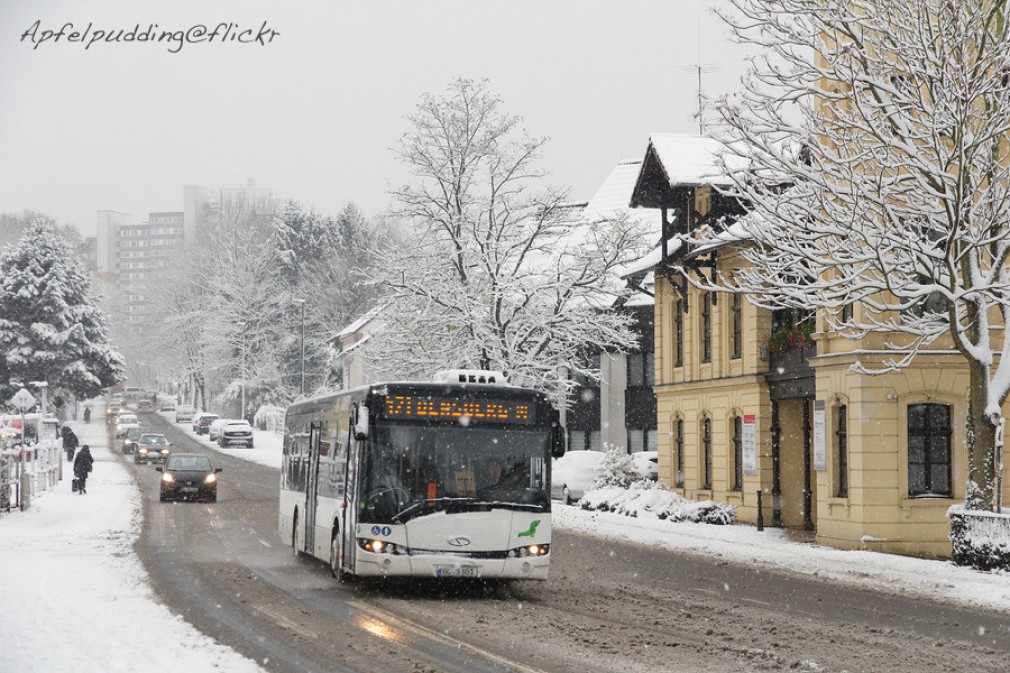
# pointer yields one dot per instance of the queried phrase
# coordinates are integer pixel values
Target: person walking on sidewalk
(70, 442)
(82, 467)
(87, 415)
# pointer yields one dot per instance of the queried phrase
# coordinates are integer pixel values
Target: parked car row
(224, 431)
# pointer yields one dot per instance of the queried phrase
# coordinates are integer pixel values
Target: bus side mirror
(557, 441)
(361, 421)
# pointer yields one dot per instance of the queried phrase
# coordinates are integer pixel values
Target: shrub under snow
(617, 469)
(653, 499)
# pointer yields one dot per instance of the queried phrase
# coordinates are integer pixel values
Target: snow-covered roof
(615, 192)
(613, 198)
(359, 323)
(651, 259)
(691, 159)
(356, 345)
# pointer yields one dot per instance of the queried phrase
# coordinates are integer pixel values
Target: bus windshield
(412, 470)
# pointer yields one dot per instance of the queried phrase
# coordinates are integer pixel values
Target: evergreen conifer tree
(51, 327)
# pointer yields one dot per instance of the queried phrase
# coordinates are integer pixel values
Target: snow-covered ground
(75, 597)
(74, 590)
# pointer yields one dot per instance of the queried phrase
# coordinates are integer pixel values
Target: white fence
(27, 471)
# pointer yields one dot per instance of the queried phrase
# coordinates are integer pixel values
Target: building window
(847, 313)
(706, 450)
(576, 440)
(678, 333)
(929, 450)
(678, 440)
(636, 370)
(737, 326)
(842, 441)
(737, 453)
(706, 327)
(641, 369)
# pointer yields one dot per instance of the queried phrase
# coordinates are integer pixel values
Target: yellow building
(751, 400)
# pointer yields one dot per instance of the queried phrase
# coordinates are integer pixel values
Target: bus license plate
(456, 571)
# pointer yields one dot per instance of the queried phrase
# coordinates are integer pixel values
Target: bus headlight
(379, 546)
(530, 550)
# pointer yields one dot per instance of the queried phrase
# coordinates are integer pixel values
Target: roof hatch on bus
(470, 376)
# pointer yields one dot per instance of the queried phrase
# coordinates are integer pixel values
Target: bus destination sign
(433, 408)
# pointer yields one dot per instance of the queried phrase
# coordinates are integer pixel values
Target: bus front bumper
(450, 566)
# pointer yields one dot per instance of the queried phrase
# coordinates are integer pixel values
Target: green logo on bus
(532, 530)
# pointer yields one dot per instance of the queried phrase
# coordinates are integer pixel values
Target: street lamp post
(301, 304)
(242, 404)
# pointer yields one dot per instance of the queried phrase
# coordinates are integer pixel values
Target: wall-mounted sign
(820, 439)
(750, 445)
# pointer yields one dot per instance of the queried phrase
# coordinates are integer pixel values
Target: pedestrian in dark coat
(87, 414)
(70, 442)
(82, 467)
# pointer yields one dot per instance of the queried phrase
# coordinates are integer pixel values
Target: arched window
(678, 447)
(842, 450)
(737, 453)
(706, 327)
(929, 450)
(736, 349)
(706, 453)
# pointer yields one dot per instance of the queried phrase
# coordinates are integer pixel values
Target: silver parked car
(235, 432)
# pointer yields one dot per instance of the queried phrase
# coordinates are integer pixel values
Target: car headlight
(210, 479)
(167, 477)
(165, 452)
(143, 450)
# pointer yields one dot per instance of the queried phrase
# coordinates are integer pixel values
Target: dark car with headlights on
(188, 476)
(152, 448)
(132, 438)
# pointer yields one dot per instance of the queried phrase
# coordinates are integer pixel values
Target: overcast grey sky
(313, 114)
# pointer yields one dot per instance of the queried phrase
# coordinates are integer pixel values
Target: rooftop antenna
(700, 68)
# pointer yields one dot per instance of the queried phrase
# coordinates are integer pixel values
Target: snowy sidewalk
(75, 597)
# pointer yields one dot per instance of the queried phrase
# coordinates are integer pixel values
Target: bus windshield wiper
(445, 503)
(433, 503)
(508, 504)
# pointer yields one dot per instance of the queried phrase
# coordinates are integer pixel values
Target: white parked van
(184, 413)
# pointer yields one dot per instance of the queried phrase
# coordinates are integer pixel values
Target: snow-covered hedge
(653, 499)
(980, 539)
(269, 417)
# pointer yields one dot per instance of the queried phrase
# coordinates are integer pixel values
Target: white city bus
(442, 479)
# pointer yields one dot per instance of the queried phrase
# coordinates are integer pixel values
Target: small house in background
(348, 343)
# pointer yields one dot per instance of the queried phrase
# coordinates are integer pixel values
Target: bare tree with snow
(495, 271)
(875, 138)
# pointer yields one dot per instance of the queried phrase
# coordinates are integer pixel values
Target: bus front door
(354, 452)
(311, 489)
